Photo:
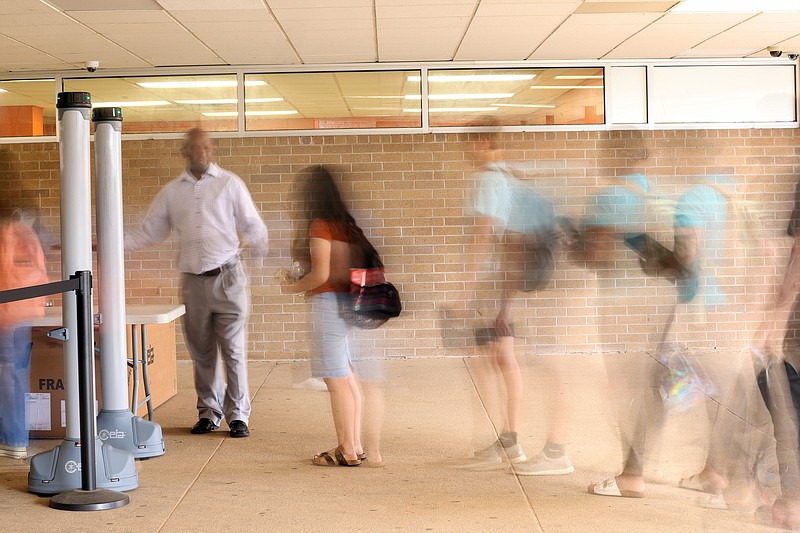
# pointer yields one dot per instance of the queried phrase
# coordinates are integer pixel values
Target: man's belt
(222, 268)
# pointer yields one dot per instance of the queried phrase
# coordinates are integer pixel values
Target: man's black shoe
(204, 425)
(239, 429)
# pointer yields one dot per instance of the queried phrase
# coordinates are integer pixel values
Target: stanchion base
(124, 431)
(59, 470)
(89, 500)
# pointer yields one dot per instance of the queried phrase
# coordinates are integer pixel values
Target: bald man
(208, 207)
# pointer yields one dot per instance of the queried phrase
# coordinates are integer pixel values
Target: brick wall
(410, 192)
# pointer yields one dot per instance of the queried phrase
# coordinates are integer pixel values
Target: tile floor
(433, 419)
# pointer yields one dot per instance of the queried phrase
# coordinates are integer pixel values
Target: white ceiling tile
(153, 36)
(250, 45)
(720, 52)
(674, 33)
(591, 36)
(134, 18)
(379, 4)
(15, 21)
(405, 44)
(13, 55)
(338, 16)
(210, 5)
(239, 15)
(243, 37)
(758, 32)
(23, 6)
(105, 5)
(325, 42)
(165, 48)
(318, 4)
(787, 45)
(505, 8)
(520, 37)
(457, 24)
(422, 12)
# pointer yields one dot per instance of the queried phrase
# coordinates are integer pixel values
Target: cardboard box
(161, 364)
(45, 403)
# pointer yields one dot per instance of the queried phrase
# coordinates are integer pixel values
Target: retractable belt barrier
(88, 497)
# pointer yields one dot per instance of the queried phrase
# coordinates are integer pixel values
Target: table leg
(135, 366)
(146, 375)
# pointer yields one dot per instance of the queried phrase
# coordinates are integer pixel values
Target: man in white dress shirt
(208, 207)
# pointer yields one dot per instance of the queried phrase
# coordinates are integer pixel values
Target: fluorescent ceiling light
(264, 113)
(466, 96)
(443, 78)
(566, 87)
(27, 81)
(453, 110)
(735, 6)
(229, 101)
(249, 113)
(378, 97)
(143, 103)
(543, 106)
(598, 77)
(196, 84)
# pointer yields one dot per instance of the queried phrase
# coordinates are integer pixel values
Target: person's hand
(283, 276)
(284, 279)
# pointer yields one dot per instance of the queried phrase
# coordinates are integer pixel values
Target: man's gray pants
(215, 325)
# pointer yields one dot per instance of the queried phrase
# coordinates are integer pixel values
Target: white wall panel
(711, 94)
(628, 89)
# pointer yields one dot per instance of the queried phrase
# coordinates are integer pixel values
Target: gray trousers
(215, 325)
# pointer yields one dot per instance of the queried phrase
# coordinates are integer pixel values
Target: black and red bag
(372, 300)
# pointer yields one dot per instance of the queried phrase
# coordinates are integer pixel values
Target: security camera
(775, 52)
(92, 66)
(793, 55)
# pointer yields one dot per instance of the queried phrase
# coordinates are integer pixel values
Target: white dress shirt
(206, 215)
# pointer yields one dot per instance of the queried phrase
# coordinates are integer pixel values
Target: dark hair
(323, 201)
(322, 198)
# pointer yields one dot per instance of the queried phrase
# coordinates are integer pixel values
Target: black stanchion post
(85, 374)
(88, 497)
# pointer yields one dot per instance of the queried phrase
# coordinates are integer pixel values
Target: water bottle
(297, 272)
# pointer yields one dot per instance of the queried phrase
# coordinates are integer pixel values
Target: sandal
(337, 459)
(609, 487)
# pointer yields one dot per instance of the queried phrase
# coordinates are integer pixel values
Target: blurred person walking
(207, 206)
(514, 249)
(22, 264)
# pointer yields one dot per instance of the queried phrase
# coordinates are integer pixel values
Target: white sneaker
(14, 452)
(541, 465)
(493, 456)
(311, 384)
(514, 454)
(712, 501)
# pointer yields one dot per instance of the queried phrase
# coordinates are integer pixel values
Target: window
(331, 100)
(518, 97)
(165, 103)
(27, 108)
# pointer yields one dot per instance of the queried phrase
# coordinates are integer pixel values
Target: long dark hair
(323, 201)
(322, 198)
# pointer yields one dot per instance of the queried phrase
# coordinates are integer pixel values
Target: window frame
(424, 68)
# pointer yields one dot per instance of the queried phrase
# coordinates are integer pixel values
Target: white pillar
(76, 230)
(110, 259)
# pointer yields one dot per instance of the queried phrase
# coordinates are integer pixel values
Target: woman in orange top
(335, 242)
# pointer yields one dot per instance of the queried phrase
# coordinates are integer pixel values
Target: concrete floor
(433, 418)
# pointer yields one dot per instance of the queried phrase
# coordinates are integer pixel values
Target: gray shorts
(333, 355)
